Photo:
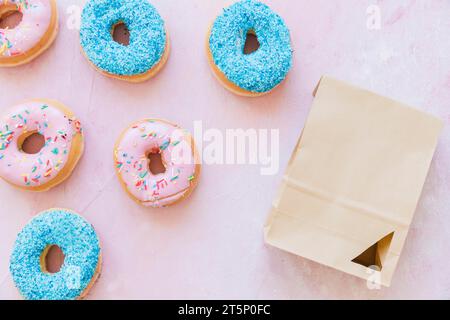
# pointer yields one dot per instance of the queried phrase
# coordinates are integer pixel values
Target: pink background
(211, 246)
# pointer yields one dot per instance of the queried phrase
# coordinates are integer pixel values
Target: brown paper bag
(353, 183)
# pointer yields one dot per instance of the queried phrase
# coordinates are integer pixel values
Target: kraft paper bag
(353, 183)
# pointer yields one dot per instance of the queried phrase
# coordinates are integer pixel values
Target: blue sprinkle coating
(264, 69)
(147, 36)
(79, 243)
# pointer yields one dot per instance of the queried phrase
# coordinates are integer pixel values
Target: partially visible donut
(178, 154)
(63, 144)
(32, 36)
(259, 72)
(147, 51)
(82, 257)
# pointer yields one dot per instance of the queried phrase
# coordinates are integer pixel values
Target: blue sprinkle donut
(80, 245)
(261, 71)
(147, 51)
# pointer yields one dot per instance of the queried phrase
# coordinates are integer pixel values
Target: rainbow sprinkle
(48, 173)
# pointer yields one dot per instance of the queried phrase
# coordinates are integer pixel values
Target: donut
(147, 51)
(178, 155)
(82, 257)
(32, 36)
(259, 72)
(63, 144)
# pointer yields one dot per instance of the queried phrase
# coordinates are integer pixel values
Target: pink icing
(174, 144)
(35, 23)
(33, 170)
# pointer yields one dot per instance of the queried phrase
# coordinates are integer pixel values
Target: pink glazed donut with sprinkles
(36, 31)
(55, 158)
(176, 149)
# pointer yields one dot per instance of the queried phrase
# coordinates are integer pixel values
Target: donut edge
(223, 79)
(42, 46)
(186, 193)
(139, 77)
(75, 154)
(99, 267)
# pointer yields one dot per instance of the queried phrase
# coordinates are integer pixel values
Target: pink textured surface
(211, 246)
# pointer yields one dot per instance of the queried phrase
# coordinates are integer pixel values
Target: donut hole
(10, 19)
(31, 142)
(121, 34)
(52, 259)
(155, 163)
(251, 42)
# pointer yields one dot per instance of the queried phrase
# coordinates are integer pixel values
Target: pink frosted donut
(178, 155)
(32, 36)
(62, 144)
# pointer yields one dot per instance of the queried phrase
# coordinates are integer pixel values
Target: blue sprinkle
(165, 145)
(264, 69)
(79, 243)
(147, 36)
